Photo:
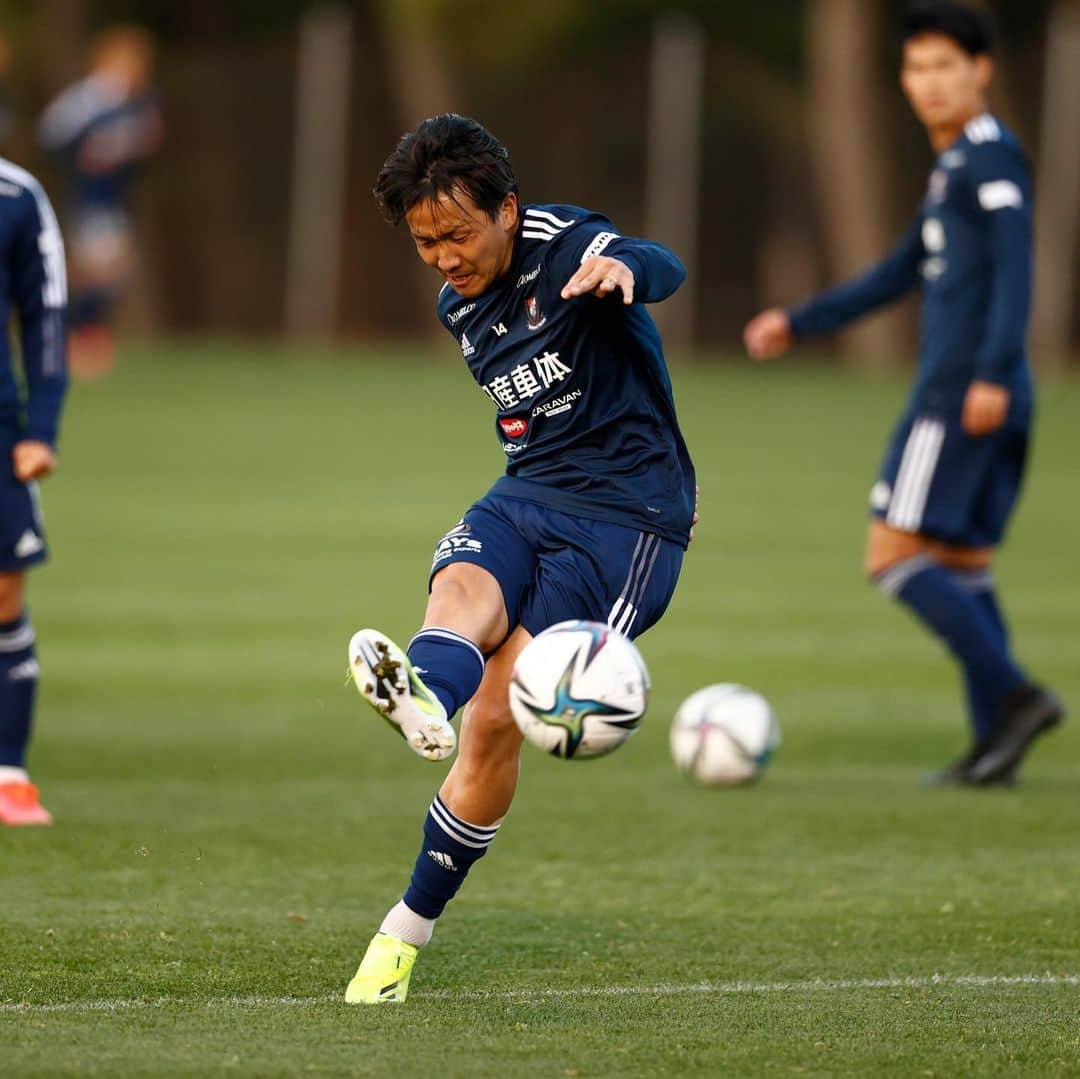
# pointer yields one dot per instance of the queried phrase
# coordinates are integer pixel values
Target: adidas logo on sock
(444, 860)
(25, 671)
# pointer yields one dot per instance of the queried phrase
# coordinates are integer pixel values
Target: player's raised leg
(461, 823)
(418, 691)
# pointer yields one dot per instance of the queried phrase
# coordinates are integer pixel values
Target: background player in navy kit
(33, 287)
(103, 127)
(953, 470)
(590, 520)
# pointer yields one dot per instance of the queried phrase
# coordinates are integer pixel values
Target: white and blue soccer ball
(724, 735)
(579, 690)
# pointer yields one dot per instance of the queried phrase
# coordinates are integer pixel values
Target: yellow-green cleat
(383, 975)
(391, 685)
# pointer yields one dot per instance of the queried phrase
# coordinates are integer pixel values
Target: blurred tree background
(803, 161)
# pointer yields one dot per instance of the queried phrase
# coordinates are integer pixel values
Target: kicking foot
(391, 685)
(1026, 714)
(19, 804)
(383, 974)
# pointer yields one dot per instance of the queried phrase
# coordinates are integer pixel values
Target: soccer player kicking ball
(590, 520)
(34, 286)
(953, 470)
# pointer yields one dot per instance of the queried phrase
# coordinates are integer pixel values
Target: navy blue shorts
(941, 482)
(553, 567)
(22, 534)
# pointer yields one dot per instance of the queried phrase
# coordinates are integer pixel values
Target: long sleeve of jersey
(885, 282)
(657, 271)
(1002, 189)
(39, 295)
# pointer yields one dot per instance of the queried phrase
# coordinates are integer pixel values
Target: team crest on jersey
(533, 314)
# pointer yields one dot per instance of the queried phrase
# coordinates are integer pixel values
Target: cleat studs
(369, 688)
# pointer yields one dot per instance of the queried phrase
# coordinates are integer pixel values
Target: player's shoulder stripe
(15, 175)
(983, 128)
(50, 241)
(540, 224)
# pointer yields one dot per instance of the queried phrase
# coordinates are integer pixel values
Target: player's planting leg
(948, 609)
(951, 612)
(982, 706)
(461, 823)
(1005, 729)
(18, 685)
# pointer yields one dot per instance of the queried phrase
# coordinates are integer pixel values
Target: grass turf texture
(232, 823)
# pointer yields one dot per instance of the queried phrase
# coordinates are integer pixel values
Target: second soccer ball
(724, 735)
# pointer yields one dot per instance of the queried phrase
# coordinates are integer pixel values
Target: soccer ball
(724, 735)
(578, 690)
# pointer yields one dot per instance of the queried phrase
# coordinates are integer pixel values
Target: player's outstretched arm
(769, 334)
(601, 276)
(895, 275)
(643, 271)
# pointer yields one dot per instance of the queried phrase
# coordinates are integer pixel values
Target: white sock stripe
(977, 580)
(450, 635)
(452, 832)
(895, 577)
(446, 821)
(18, 639)
(480, 829)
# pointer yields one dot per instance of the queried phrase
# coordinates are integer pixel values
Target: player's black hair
(445, 153)
(969, 28)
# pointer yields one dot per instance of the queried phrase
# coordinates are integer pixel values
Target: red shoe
(19, 804)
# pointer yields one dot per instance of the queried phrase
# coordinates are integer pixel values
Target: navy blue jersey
(584, 406)
(33, 286)
(970, 248)
(102, 134)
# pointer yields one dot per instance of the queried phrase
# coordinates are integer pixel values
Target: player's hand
(697, 516)
(768, 334)
(986, 407)
(601, 276)
(32, 460)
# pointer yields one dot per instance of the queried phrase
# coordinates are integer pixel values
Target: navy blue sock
(982, 706)
(948, 609)
(450, 665)
(451, 847)
(18, 684)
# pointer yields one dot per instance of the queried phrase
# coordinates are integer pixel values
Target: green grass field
(232, 823)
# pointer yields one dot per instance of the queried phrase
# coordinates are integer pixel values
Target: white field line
(820, 985)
